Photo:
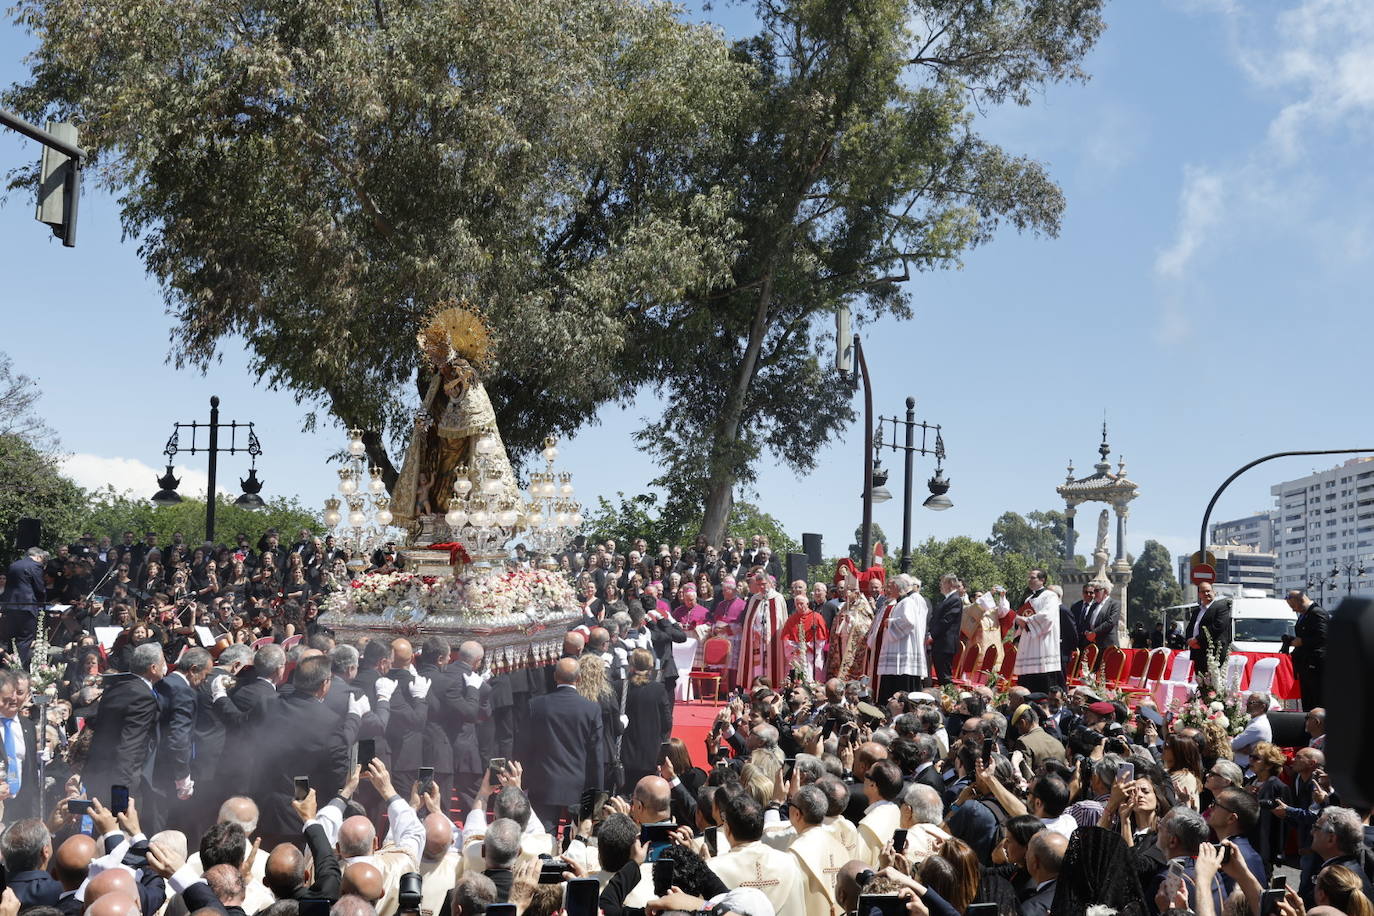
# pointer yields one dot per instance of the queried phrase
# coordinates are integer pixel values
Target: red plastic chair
(715, 661)
(1008, 662)
(259, 643)
(292, 641)
(988, 663)
(1113, 666)
(1090, 658)
(1138, 662)
(968, 667)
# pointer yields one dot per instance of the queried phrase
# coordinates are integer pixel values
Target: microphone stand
(100, 583)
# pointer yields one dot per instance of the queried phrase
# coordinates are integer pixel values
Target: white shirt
(20, 749)
(1258, 730)
(1063, 825)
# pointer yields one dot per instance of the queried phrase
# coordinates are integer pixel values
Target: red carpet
(692, 723)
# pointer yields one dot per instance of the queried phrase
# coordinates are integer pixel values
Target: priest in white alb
(817, 851)
(897, 640)
(1038, 665)
(752, 863)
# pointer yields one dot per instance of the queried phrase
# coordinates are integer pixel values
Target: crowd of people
(847, 772)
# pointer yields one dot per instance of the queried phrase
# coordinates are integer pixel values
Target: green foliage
(111, 514)
(312, 181)
(1154, 585)
(31, 486)
(1038, 536)
(639, 516)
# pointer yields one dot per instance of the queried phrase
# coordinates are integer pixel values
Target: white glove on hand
(419, 687)
(359, 706)
(472, 680)
(385, 688)
(185, 788)
(624, 721)
(217, 691)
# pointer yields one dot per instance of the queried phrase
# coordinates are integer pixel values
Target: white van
(1257, 624)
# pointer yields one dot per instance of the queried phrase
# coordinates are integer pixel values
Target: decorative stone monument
(1117, 492)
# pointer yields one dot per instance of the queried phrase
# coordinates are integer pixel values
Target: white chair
(1180, 679)
(1235, 672)
(1262, 679)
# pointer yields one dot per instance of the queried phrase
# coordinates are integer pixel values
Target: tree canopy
(632, 201)
(111, 514)
(31, 486)
(1154, 585)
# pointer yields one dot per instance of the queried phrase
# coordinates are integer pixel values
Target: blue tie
(11, 759)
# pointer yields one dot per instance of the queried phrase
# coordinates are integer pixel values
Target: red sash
(878, 647)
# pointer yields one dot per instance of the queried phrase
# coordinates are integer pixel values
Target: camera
(408, 897)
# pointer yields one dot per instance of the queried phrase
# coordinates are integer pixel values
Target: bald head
(565, 672)
(402, 653)
(115, 881)
(72, 860)
(1045, 854)
(847, 884)
(471, 653)
(438, 836)
(113, 904)
(285, 871)
(240, 810)
(654, 798)
(364, 880)
(573, 644)
(865, 755)
(356, 837)
(308, 653)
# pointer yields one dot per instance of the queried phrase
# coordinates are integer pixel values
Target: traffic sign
(1198, 559)
(1203, 573)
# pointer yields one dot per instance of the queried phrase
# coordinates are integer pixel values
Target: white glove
(385, 688)
(359, 706)
(217, 691)
(419, 687)
(185, 788)
(624, 721)
(472, 680)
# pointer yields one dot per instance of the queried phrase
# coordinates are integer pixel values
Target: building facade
(1324, 529)
(1254, 531)
(1239, 565)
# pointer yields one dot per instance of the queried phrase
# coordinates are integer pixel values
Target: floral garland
(43, 674)
(404, 600)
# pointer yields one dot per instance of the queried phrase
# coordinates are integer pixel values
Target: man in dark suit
(244, 712)
(1209, 632)
(1308, 646)
(126, 720)
(405, 728)
(467, 712)
(944, 623)
(1100, 620)
(208, 738)
(1044, 857)
(663, 632)
(27, 847)
(25, 595)
(561, 747)
(20, 788)
(172, 783)
(303, 737)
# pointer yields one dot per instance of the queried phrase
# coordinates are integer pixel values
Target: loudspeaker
(1290, 728)
(811, 543)
(29, 533)
(796, 567)
(1348, 690)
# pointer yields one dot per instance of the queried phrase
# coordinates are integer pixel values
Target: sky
(1213, 263)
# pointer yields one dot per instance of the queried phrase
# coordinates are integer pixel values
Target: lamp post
(1351, 571)
(938, 484)
(1322, 583)
(168, 495)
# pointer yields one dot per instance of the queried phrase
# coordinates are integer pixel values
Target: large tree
(313, 179)
(856, 164)
(1038, 536)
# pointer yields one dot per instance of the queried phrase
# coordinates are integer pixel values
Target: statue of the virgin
(453, 416)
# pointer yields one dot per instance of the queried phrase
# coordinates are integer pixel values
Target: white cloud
(1316, 61)
(1201, 203)
(95, 472)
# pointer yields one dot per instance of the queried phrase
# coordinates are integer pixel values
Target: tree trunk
(720, 497)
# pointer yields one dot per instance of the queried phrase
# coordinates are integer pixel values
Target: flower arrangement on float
(494, 598)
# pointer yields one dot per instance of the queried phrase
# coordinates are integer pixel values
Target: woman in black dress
(650, 719)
